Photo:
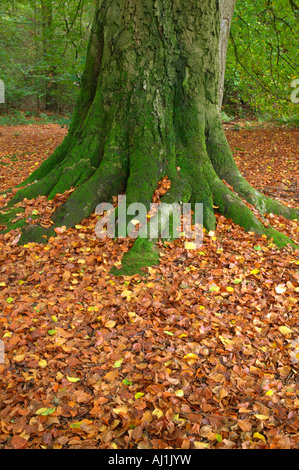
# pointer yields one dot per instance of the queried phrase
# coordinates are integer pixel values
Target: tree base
(144, 253)
(148, 108)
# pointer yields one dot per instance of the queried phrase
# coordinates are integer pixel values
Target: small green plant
(17, 118)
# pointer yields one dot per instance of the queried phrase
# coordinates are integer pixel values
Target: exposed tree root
(226, 168)
(196, 181)
(148, 107)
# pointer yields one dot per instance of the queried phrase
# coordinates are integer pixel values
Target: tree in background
(42, 51)
(43, 44)
(262, 58)
(149, 108)
(227, 8)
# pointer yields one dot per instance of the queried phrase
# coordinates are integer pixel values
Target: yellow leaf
(257, 435)
(150, 285)
(127, 294)
(190, 246)
(224, 340)
(269, 393)
(110, 324)
(201, 445)
(261, 417)
(214, 288)
(285, 330)
(230, 289)
(19, 357)
(43, 363)
(190, 356)
(157, 413)
(254, 271)
(73, 379)
(179, 393)
(132, 314)
(2, 284)
(118, 363)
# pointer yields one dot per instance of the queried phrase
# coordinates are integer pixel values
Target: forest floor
(201, 353)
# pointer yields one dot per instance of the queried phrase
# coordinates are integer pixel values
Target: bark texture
(226, 15)
(148, 107)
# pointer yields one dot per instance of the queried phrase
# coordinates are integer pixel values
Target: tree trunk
(47, 31)
(148, 107)
(226, 15)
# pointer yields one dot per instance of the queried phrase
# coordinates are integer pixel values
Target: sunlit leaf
(118, 363)
(285, 330)
(257, 435)
(190, 246)
(45, 411)
(127, 382)
(73, 379)
(42, 363)
(52, 332)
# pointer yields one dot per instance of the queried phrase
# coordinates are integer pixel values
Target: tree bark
(226, 15)
(149, 107)
(47, 25)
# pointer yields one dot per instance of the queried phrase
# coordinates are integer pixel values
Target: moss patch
(143, 254)
(36, 234)
(280, 240)
(7, 215)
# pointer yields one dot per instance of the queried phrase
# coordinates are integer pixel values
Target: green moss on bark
(143, 254)
(8, 214)
(36, 234)
(148, 107)
(280, 240)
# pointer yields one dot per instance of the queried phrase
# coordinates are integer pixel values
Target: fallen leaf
(73, 379)
(285, 330)
(45, 411)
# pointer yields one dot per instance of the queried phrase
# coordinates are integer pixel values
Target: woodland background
(201, 353)
(43, 45)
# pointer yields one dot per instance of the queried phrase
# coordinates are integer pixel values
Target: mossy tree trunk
(148, 105)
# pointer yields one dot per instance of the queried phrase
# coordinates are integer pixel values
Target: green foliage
(42, 51)
(43, 45)
(261, 61)
(16, 117)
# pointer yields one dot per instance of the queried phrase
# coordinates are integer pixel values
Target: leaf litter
(200, 352)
